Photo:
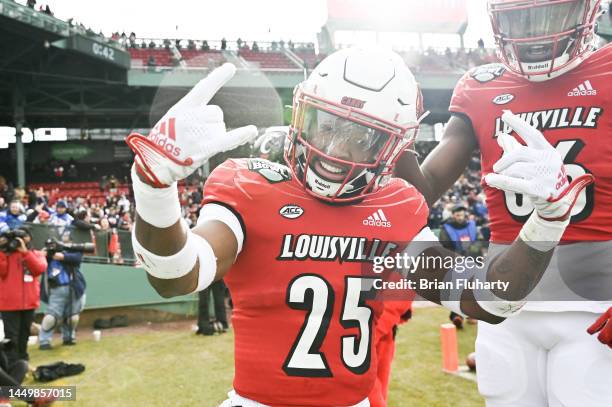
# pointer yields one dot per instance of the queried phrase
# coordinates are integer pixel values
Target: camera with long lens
(9, 240)
(54, 246)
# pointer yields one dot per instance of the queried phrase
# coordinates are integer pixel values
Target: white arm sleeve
(424, 239)
(196, 248)
(425, 235)
(212, 211)
(451, 299)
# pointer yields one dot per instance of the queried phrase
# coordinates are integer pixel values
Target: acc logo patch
(291, 211)
(487, 73)
(272, 172)
(503, 99)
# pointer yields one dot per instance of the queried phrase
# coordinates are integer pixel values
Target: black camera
(9, 242)
(54, 246)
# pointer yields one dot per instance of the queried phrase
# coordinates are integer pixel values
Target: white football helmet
(358, 110)
(542, 39)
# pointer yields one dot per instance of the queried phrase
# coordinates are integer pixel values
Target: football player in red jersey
(555, 81)
(291, 241)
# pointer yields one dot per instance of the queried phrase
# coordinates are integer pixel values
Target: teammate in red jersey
(292, 241)
(556, 82)
(394, 313)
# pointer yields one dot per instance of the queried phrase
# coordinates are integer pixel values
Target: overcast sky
(262, 20)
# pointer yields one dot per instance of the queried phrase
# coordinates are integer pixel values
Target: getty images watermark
(407, 264)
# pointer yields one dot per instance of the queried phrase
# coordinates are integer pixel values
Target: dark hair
(26, 229)
(82, 214)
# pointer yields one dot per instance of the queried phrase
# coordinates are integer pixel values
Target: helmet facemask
(339, 153)
(540, 39)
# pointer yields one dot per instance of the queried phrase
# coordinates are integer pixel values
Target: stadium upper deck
(56, 74)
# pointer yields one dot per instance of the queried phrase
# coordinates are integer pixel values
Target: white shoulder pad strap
(212, 211)
(181, 263)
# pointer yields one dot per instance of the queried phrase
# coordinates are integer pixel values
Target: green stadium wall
(110, 286)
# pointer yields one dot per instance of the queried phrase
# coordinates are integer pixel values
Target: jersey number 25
(312, 293)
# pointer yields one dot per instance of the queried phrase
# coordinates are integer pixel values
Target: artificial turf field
(162, 366)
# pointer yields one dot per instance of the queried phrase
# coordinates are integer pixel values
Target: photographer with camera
(63, 289)
(20, 267)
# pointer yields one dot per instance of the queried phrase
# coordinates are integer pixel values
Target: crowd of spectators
(417, 59)
(465, 193)
(460, 59)
(430, 59)
(114, 214)
(42, 8)
(107, 219)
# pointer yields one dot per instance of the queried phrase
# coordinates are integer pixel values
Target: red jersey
(19, 283)
(303, 326)
(573, 111)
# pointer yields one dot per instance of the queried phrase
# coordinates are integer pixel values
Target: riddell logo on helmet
(352, 102)
(321, 183)
(538, 66)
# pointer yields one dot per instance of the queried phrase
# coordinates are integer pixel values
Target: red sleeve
(460, 102)
(3, 265)
(392, 314)
(231, 185)
(221, 186)
(35, 262)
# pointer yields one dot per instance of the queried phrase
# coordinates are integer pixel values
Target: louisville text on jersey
(332, 248)
(560, 118)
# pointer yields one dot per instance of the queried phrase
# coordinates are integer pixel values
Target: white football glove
(188, 135)
(535, 170)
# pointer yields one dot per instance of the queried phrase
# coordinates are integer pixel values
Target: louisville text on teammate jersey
(561, 118)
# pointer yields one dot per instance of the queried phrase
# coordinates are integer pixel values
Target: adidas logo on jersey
(378, 218)
(584, 89)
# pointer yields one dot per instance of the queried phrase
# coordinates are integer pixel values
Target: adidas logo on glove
(163, 138)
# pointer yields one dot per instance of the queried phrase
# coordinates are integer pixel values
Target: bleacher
(310, 57)
(89, 190)
(140, 56)
(268, 60)
(200, 58)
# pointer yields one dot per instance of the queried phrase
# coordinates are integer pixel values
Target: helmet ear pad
(368, 88)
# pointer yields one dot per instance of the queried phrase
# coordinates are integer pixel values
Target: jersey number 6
(521, 208)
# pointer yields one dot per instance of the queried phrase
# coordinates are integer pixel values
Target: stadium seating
(268, 60)
(162, 56)
(309, 56)
(199, 58)
(79, 189)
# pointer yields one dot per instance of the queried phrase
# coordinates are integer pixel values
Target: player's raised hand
(536, 170)
(188, 135)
